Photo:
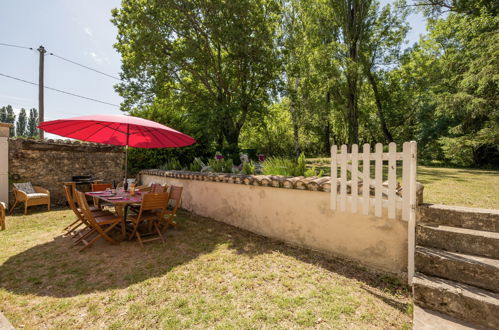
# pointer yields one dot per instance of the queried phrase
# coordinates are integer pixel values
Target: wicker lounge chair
(30, 196)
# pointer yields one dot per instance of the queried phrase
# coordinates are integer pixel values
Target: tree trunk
(379, 106)
(327, 126)
(294, 118)
(352, 113)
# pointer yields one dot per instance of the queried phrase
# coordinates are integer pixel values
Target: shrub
(284, 166)
(172, 164)
(248, 168)
(221, 165)
(196, 165)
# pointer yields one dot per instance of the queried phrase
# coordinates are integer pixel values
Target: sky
(79, 30)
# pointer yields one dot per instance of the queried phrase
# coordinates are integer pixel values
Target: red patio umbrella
(118, 130)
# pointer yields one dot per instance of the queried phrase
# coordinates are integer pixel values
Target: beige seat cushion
(37, 195)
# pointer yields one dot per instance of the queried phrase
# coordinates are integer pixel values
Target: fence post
(334, 174)
(354, 186)
(343, 183)
(366, 178)
(411, 225)
(378, 180)
(392, 179)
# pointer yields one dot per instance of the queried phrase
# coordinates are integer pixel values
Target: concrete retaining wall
(299, 217)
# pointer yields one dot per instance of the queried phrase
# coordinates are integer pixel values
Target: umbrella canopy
(118, 130)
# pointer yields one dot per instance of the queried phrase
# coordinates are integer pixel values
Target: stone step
(462, 240)
(461, 301)
(461, 217)
(477, 271)
(425, 319)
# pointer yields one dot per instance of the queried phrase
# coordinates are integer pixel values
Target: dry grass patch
(207, 275)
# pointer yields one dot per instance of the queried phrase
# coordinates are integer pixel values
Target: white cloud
(88, 31)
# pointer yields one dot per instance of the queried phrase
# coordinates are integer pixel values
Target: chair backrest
(154, 201)
(157, 202)
(72, 185)
(176, 196)
(101, 186)
(26, 187)
(69, 196)
(157, 188)
(85, 209)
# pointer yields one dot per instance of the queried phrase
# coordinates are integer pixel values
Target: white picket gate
(353, 195)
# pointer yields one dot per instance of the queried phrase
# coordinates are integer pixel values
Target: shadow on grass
(57, 269)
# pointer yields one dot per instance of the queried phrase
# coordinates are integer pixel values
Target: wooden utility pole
(42, 52)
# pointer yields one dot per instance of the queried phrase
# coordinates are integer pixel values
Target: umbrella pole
(126, 163)
(126, 154)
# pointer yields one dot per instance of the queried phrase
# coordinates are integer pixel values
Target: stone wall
(293, 210)
(49, 163)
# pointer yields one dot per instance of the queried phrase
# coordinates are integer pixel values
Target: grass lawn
(451, 186)
(207, 275)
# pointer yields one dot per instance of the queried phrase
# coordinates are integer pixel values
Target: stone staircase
(457, 263)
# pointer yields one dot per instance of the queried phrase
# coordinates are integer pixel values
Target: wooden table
(126, 200)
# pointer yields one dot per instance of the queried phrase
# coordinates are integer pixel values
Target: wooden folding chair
(173, 204)
(158, 188)
(152, 210)
(101, 225)
(2, 215)
(71, 229)
(100, 187)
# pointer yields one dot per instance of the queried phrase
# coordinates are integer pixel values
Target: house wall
(4, 162)
(299, 217)
(49, 163)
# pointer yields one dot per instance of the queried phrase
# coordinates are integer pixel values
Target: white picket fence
(360, 193)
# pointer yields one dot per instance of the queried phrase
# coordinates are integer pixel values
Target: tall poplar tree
(32, 123)
(21, 124)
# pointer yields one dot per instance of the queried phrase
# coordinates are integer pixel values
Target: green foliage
(196, 165)
(186, 67)
(216, 61)
(278, 166)
(285, 166)
(21, 128)
(313, 172)
(221, 165)
(7, 115)
(248, 168)
(32, 129)
(172, 164)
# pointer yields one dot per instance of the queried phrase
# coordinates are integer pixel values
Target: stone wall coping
(64, 142)
(276, 181)
(313, 183)
(5, 125)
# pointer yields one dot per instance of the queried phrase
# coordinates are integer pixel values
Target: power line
(15, 46)
(64, 59)
(60, 91)
(84, 66)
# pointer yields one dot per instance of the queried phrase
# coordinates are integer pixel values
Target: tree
(354, 21)
(21, 129)
(7, 115)
(382, 52)
(217, 58)
(32, 129)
